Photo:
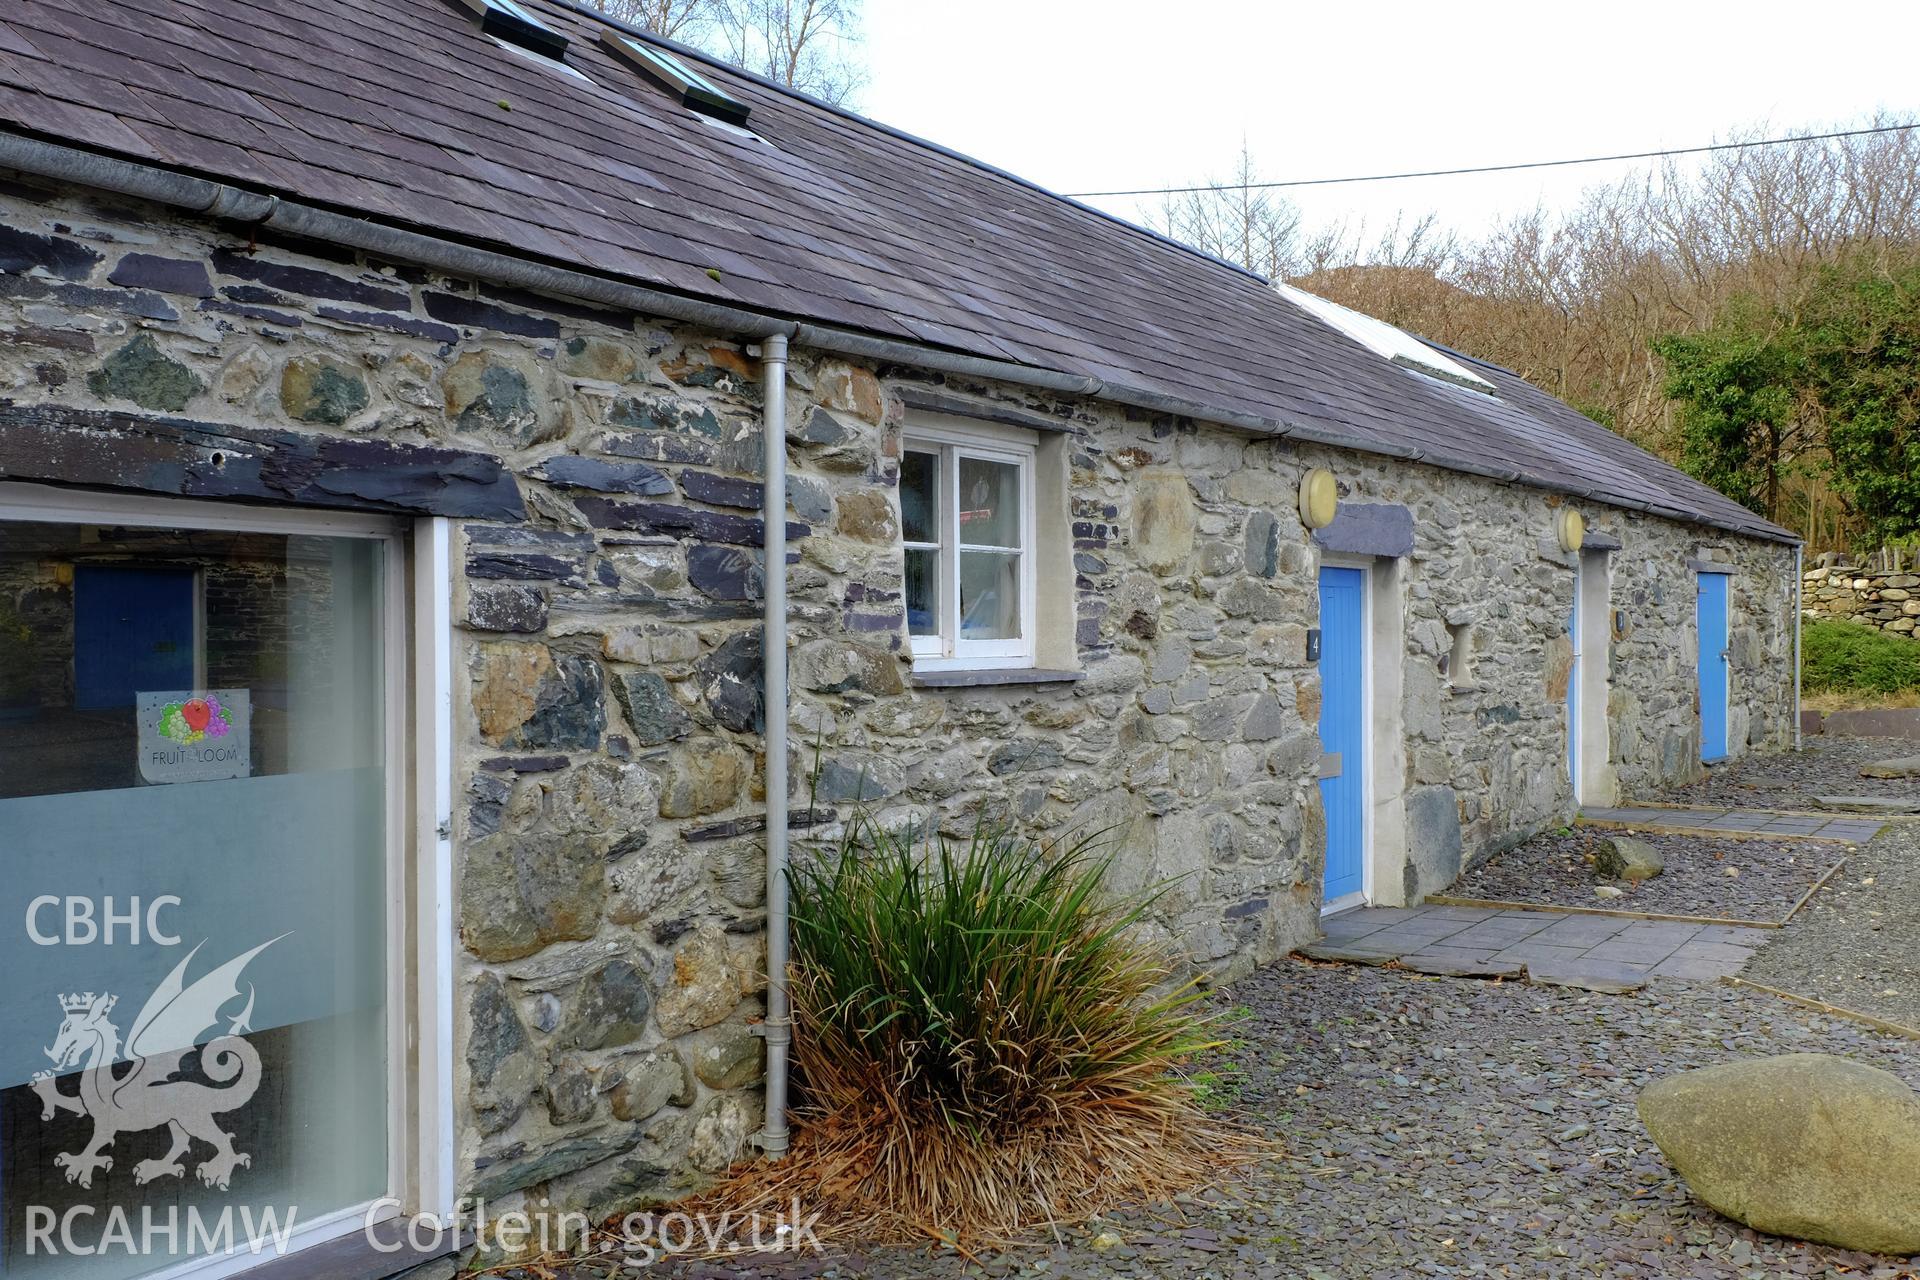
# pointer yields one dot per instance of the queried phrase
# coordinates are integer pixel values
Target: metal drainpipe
(778, 1028)
(1799, 621)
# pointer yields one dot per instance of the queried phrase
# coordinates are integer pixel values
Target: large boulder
(1626, 858)
(1904, 767)
(1804, 1145)
(1863, 804)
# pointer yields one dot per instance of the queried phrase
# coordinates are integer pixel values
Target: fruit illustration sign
(194, 735)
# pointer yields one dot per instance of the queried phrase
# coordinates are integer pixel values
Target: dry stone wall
(1888, 600)
(610, 763)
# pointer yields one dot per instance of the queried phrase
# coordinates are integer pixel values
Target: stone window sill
(974, 679)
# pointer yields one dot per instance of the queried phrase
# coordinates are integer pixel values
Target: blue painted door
(132, 631)
(1710, 611)
(1343, 736)
(1573, 693)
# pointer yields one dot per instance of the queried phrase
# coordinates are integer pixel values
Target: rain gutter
(1799, 623)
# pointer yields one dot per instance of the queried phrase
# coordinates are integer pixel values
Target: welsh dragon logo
(146, 1092)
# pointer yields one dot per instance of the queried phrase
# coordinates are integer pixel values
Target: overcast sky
(1080, 95)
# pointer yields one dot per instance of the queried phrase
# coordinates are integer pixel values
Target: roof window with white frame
(694, 91)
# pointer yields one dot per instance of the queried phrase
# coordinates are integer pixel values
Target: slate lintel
(111, 449)
(977, 678)
(1368, 529)
(1595, 541)
(1712, 566)
(928, 400)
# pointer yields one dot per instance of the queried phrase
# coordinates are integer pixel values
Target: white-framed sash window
(967, 535)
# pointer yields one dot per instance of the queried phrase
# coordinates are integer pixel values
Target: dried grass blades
(984, 1045)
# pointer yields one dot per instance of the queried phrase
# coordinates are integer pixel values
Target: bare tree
(684, 20)
(809, 45)
(1234, 221)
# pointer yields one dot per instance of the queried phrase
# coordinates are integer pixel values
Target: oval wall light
(1572, 527)
(1319, 498)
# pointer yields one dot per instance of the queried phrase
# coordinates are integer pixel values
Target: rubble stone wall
(610, 764)
(1888, 600)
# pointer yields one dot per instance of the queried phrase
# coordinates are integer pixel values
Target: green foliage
(1863, 327)
(1843, 657)
(1737, 384)
(1833, 382)
(978, 987)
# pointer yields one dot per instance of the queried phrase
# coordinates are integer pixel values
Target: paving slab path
(1608, 951)
(1736, 822)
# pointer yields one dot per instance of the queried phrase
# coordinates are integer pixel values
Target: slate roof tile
(391, 108)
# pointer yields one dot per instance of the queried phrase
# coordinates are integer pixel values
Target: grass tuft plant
(983, 1044)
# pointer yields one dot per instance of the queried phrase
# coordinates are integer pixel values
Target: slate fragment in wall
(21, 251)
(185, 276)
(1368, 529)
(652, 517)
(118, 450)
(528, 554)
(575, 472)
(732, 684)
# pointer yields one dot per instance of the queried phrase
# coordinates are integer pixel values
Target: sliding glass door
(199, 829)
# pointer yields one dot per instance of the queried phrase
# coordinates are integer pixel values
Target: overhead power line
(1496, 168)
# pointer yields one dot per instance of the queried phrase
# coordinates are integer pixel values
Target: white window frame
(948, 650)
(416, 625)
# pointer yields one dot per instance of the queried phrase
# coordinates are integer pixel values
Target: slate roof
(392, 109)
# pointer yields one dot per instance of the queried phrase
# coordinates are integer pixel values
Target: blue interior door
(1343, 645)
(1710, 608)
(132, 631)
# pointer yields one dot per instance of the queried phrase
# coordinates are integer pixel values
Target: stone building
(382, 393)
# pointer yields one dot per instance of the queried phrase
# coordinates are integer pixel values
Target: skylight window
(1384, 340)
(694, 91)
(508, 23)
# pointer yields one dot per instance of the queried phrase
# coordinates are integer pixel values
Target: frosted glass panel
(193, 787)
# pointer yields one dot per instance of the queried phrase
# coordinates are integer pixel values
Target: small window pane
(989, 503)
(989, 595)
(923, 593)
(920, 497)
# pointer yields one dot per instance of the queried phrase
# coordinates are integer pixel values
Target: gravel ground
(1828, 766)
(1555, 870)
(1857, 944)
(1440, 1127)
